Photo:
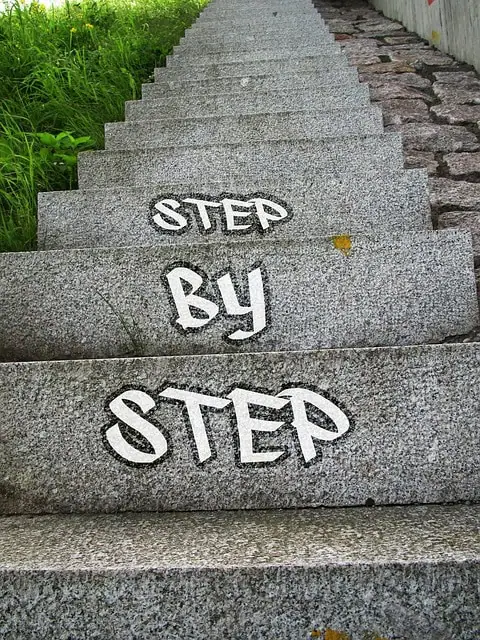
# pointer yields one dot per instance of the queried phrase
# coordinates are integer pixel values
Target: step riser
(251, 83)
(274, 41)
(243, 129)
(272, 49)
(275, 67)
(240, 57)
(119, 302)
(299, 23)
(177, 106)
(255, 35)
(348, 157)
(122, 217)
(67, 412)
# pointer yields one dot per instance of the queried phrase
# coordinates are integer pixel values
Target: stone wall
(451, 25)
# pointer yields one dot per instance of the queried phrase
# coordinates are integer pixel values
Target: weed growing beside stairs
(64, 72)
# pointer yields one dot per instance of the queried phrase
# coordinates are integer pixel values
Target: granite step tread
(274, 67)
(287, 34)
(299, 81)
(286, 573)
(325, 443)
(257, 55)
(274, 160)
(245, 20)
(409, 288)
(242, 129)
(124, 216)
(241, 103)
(289, 41)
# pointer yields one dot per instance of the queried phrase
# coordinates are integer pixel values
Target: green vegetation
(64, 72)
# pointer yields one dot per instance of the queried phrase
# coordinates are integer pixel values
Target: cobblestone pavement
(430, 97)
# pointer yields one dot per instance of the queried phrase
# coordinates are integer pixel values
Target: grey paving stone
(286, 574)
(274, 161)
(457, 113)
(252, 22)
(406, 288)
(402, 111)
(462, 164)
(408, 79)
(436, 137)
(276, 67)
(241, 129)
(345, 76)
(235, 104)
(310, 33)
(398, 91)
(119, 217)
(469, 220)
(454, 194)
(421, 160)
(239, 57)
(455, 77)
(464, 93)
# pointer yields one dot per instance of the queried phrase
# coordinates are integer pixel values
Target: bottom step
(393, 572)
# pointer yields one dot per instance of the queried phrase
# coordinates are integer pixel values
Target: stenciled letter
(159, 220)
(202, 210)
(306, 430)
(246, 424)
(145, 428)
(231, 214)
(193, 401)
(264, 217)
(257, 303)
(184, 301)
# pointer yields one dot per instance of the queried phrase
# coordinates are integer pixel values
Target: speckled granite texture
(410, 573)
(372, 291)
(117, 217)
(413, 433)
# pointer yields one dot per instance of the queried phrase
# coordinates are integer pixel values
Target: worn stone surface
(258, 23)
(455, 77)
(463, 164)
(421, 159)
(408, 79)
(402, 111)
(258, 54)
(469, 220)
(436, 137)
(457, 113)
(334, 206)
(288, 41)
(386, 67)
(454, 194)
(394, 90)
(56, 419)
(296, 125)
(243, 575)
(235, 104)
(255, 83)
(277, 67)
(405, 288)
(458, 93)
(275, 160)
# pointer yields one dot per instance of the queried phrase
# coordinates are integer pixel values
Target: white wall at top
(451, 25)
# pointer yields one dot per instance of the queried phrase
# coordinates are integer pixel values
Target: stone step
(323, 99)
(347, 76)
(226, 19)
(262, 49)
(312, 64)
(257, 23)
(404, 572)
(255, 55)
(286, 34)
(345, 291)
(125, 217)
(218, 45)
(346, 427)
(243, 129)
(274, 160)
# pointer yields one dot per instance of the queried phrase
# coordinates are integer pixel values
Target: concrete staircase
(233, 405)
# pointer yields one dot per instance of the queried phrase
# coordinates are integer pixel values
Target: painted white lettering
(257, 303)
(179, 221)
(246, 425)
(231, 214)
(306, 430)
(193, 402)
(202, 210)
(184, 301)
(145, 428)
(263, 216)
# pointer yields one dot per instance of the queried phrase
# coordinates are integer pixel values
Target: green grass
(64, 72)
